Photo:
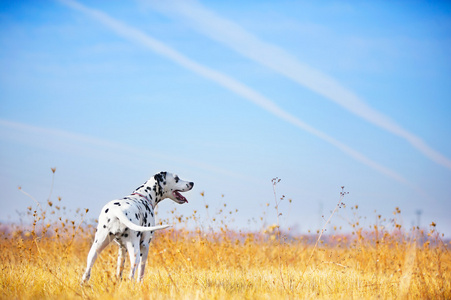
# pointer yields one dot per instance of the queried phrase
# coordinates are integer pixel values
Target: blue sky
(230, 95)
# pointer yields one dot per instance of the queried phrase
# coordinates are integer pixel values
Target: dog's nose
(191, 184)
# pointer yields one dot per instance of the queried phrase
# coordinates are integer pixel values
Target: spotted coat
(130, 222)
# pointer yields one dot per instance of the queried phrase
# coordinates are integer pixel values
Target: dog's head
(170, 186)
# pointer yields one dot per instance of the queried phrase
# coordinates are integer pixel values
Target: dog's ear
(160, 178)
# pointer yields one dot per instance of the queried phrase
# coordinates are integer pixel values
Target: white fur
(130, 222)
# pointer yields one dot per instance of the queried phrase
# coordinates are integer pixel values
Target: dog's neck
(150, 190)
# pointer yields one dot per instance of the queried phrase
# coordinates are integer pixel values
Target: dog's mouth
(179, 197)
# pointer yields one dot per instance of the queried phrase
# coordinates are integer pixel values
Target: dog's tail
(123, 218)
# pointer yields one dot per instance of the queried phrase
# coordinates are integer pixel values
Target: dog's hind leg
(146, 238)
(120, 261)
(142, 263)
(100, 242)
(133, 251)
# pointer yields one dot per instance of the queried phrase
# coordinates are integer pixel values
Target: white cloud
(279, 60)
(229, 83)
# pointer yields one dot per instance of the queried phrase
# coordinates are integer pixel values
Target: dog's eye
(176, 178)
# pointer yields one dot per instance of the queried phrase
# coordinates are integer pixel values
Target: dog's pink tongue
(180, 197)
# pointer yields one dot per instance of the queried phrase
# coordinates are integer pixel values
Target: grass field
(47, 260)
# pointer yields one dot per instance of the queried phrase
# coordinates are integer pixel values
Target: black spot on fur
(117, 203)
(106, 210)
(110, 233)
(140, 186)
(125, 235)
(136, 215)
(104, 226)
(138, 234)
(108, 220)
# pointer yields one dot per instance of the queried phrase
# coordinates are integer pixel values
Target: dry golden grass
(190, 265)
(47, 260)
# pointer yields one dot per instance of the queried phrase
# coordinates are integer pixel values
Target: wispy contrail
(279, 60)
(91, 144)
(231, 84)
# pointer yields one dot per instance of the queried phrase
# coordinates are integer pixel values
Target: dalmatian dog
(130, 222)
